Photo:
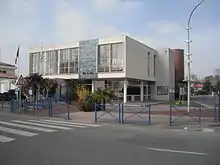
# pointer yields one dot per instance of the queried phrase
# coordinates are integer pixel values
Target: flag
(17, 55)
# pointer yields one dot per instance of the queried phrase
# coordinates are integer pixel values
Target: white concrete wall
(137, 60)
(165, 73)
(6, 85)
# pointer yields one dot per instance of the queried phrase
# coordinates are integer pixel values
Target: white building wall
(137, 60)
(6, 85)
(165, 73)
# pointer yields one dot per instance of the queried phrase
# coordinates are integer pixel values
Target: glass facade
(117, 59)
(74, 60)
(110, 58)
(51, 60)
(35, 62)
(64, 58)
(85, 60)
(104, 54)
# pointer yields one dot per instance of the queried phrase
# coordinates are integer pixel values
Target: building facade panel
(139, 60)
(165, 74)
(178, 55)
(87, 59)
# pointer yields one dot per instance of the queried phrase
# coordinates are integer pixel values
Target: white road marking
(4, 139)
(41, 125)
(27, 127)
(82, 124)
(62, 124)
(176, 151)
(17, 132)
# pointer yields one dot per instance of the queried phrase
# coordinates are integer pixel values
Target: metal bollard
(68, 110)
(170, 115)
(12, 106)
(49, 108)
(119, 113)
(122, 113)
(95, 113)
(149, 114)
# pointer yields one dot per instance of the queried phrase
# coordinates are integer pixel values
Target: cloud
(108, 5)
(20, 23)
(73, 24)
(32, 21)
(205, 42)
(165, 27)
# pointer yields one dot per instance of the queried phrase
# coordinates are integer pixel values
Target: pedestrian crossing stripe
(27, 127)
(4, 139)
(17, 132)
(68, 125)
(41, 125)
(47, 126)
(64, 122)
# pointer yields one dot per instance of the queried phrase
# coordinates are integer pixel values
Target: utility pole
(188, 54)
(219, 106)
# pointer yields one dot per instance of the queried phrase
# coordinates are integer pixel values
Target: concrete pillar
(142, 90)
(93, 86)
(125, 91)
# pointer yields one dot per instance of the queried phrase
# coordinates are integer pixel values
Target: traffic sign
(20, 81)
(30, 92)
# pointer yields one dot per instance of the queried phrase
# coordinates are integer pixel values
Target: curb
(193, 129)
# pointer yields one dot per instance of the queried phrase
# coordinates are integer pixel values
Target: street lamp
(188, 54)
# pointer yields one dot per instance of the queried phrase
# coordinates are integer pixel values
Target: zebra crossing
(30, 128)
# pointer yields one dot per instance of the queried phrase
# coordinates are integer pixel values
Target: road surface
(34, 141)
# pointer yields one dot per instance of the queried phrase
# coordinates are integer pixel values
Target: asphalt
(111, 145)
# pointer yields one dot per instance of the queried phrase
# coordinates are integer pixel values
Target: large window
(117, 58)
(36, 62)
(104, 58)
(50, 64)
(162, 90)
(73, 61)
(31, 63)
(110, 58)
(64, 57)
(41, 64)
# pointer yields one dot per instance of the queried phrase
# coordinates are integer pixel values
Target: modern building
(7, 76)
(134, 70)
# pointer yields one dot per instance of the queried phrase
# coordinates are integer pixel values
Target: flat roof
(75, 44)
(6, 64)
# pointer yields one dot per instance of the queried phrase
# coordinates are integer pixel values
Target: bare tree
(48, 84)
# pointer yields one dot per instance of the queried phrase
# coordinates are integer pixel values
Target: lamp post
(188, 54)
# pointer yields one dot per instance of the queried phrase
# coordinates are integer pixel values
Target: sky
(157, 23)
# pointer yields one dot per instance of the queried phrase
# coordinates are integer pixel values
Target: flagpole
(18, 76)
(18, 62)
